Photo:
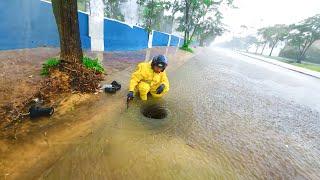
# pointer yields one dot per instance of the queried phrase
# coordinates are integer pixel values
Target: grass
(89, 63)
(50, 63)
(282, 59)
(93, 64)
(306, 65)
(186, 48)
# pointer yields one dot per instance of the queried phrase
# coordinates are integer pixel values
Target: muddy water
(222, 123)
(130, 145)
(134, 146)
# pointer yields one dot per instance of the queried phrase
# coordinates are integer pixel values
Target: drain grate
(154, 111)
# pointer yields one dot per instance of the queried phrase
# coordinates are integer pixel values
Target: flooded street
(229, 117)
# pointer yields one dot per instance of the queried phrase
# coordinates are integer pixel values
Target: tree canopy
(152, 13)
(274, 34)
(201, 17)
(304, 34)
(299, 36)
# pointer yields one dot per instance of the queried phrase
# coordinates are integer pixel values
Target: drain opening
(154, 111)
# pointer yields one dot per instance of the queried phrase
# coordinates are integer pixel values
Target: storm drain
(154, 111)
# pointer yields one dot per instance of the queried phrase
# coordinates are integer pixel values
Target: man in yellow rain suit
(150, 77)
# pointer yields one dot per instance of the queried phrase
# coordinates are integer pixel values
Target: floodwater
(229, 117)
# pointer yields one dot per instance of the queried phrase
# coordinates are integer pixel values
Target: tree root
(66, 78)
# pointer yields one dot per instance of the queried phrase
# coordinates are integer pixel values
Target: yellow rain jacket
(145, 80)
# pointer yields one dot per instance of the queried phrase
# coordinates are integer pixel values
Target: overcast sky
(260, 13)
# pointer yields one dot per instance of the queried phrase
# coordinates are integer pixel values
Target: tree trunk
(149, 20)
(273, 46)
(149, 27)
(194, 30)
(186, 31)
(172, 22)
(299, 59)
(66, 15)
(201, 42)
(264, 46)
(303, 54)
(257, 50)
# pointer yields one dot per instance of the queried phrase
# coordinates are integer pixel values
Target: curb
(284, 65)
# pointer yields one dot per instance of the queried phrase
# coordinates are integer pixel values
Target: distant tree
(209, 29)
(66, 15)
(274, 34)
(112, 9)
(235, 43)
(241, 43)
(249, 41)
(244, 27)
(166, 24)
(174, 7)
(258, 44)
(259, 41)
(195, 12)
(152, 12)
(303, 35)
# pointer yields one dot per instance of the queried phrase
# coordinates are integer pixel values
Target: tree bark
(303, 49)
(186, 31)
(306, 49)
(264, 46)
(150, 18)
(299, 59)
(172, 22)
(301, 56)
(194, 30)
(66, 15)
(273, 46)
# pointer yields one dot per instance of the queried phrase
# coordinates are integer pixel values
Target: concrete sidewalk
(284, 65)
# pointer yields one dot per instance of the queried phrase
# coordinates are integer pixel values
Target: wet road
(266, 114)
(230, 117)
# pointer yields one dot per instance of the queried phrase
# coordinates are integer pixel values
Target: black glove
(130, 95)
(160, 89)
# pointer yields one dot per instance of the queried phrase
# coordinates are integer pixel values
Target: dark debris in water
(154, 111)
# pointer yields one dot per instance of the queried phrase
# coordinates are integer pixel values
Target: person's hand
(130, 95)
(160, 89)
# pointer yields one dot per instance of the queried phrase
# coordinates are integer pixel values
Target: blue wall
(26, 24)
(160, 39)
(30, 24)
(174, 40)
(84, 30)
(119, 36)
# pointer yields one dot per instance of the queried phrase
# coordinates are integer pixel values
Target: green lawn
(310, 66)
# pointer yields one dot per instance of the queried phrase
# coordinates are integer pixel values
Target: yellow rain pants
(145, 80)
